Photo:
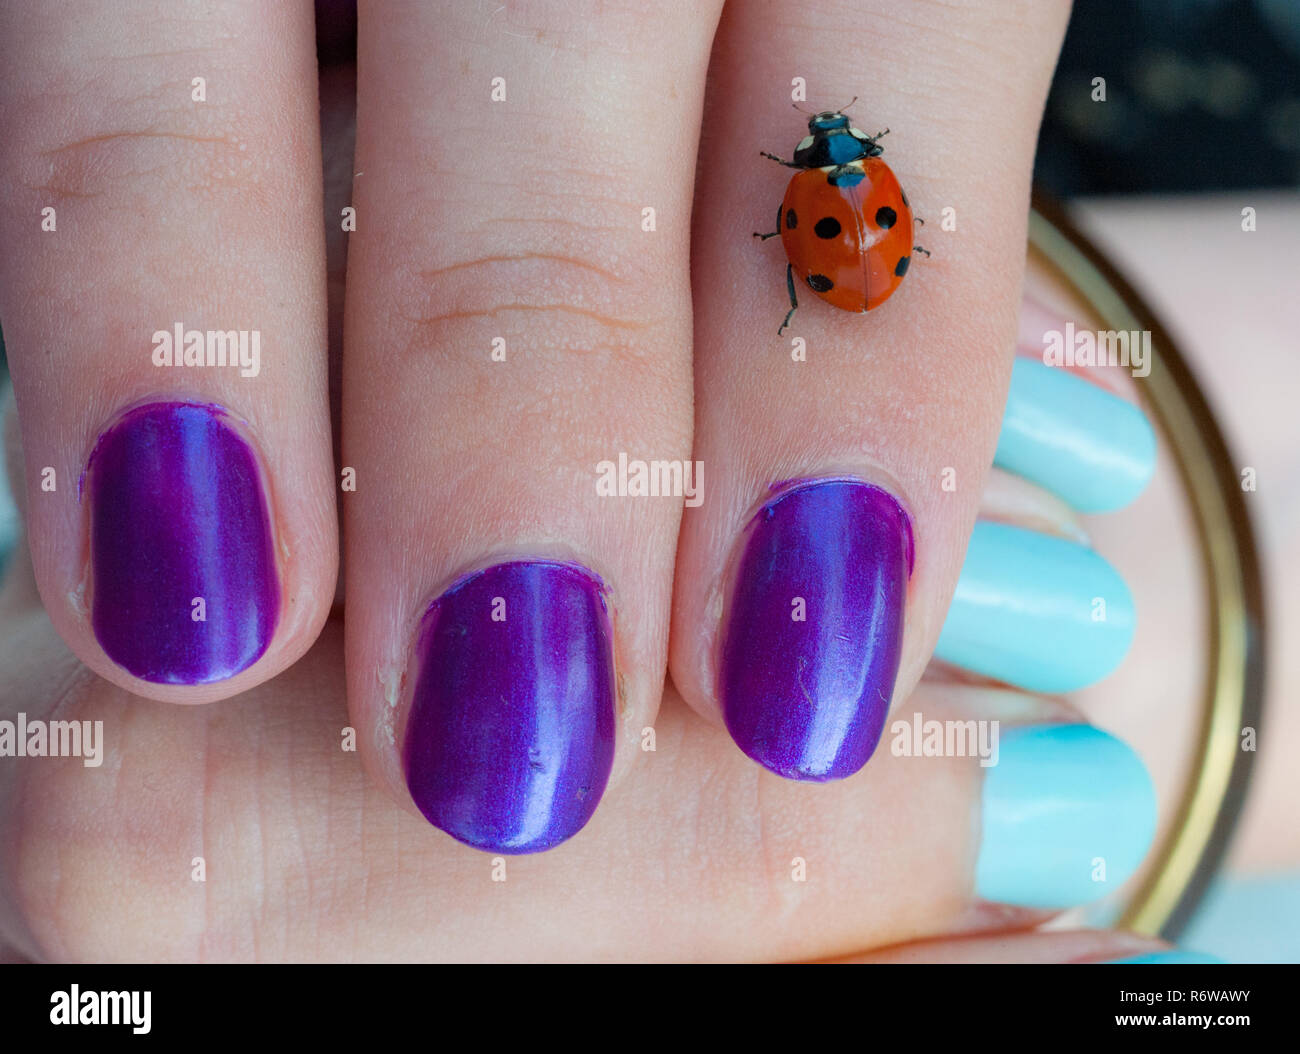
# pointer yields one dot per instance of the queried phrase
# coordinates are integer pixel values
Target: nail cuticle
(540, 554)
(145, 403)
(783, 488)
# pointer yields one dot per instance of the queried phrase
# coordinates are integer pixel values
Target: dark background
(1201, 95)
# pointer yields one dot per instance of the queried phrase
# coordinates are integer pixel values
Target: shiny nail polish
(184, 586)
(1069, 812)
(814, 627)
(1171, 957)
(1037, 611)
(510, 737)
(1091, 448)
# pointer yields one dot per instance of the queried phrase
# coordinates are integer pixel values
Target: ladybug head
(827, 121)
(831, 140)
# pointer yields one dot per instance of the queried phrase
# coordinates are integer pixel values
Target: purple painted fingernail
(814, 628)
(510, 737)
(184, 583)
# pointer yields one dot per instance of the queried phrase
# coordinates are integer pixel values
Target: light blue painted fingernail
(1069, 813)
(1036, 611)
(1174, 957)
(1091, 448)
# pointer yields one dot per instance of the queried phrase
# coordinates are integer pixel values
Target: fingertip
(180, 582)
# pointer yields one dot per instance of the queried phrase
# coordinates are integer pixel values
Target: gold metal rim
(1233, 693)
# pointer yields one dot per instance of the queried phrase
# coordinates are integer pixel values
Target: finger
(514, 319)
(812, 584)
(1011, 499)
(163, 303)
(697, 854)
(1041, 609)
(1057, 946)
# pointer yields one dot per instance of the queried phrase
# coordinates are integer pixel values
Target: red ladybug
(845, 222)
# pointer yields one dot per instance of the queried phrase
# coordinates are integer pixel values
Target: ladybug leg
(878, 135)
(794, 302)
(764, 237)
(917, 219)
(778, 160)
(918, 249)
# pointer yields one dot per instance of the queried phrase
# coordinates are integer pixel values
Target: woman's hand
(528, 297)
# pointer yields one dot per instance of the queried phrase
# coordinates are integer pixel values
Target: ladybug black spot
(900, 268)
(886, 217)
(791, 220)
(819, 283)
(827, 227)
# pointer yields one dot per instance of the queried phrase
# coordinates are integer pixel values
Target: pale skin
(520, 220)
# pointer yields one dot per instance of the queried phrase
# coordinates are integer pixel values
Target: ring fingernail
(510, 737)
(814, 628)
(184, 586)
(1068, 815)
(1036, 611)
(1074, 438)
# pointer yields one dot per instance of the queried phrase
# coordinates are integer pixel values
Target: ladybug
(845, 222)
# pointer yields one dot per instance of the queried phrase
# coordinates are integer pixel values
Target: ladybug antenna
(806, 113)
(851, 102)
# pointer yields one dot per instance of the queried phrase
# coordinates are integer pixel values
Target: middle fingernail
(814, 628)
(510, 739)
